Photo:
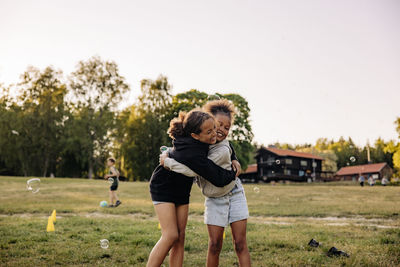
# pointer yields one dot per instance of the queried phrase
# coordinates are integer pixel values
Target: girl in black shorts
(192, 133)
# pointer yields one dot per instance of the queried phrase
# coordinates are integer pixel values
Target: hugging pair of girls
(200, 150)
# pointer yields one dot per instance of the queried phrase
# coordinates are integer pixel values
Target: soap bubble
(110, 180)
(104, 244)
(278, 161)
(256, 190)
(352, 159)
(103, 203)
(33, 185)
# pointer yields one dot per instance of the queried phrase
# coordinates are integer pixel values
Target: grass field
(364, 222)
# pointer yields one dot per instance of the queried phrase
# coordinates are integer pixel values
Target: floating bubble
(104, 243)
(110, 180)
(14, 132)
(33, 185)
(213, 97)
(163, 149)
(278, 161)
(256, 190)
(352, 159)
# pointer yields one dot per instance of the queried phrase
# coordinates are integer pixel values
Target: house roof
(252, 168)
(291, 153)
(366, 168)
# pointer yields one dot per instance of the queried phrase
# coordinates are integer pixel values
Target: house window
(287, 172)
(301, 173)
(314, 164)
(270, 160)
(303, 163)
(288, 161)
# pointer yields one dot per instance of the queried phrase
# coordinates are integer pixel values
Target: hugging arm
(235, 162)
(207, 169)
(175, 166)
(233, 155)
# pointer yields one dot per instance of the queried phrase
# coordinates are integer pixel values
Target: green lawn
(284, 219)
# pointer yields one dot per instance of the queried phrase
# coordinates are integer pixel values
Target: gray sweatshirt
(220, 154)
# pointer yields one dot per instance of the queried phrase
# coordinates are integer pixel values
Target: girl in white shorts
(223, 205)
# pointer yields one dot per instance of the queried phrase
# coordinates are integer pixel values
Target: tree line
(67, 126)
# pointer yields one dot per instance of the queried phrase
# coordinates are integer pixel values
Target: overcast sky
(309, 69)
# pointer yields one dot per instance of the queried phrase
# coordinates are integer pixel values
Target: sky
(308, 69)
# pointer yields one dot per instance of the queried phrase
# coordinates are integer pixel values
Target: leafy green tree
(146, 128)
(43, 105)
(380, 154)
(96, 90)
(322, 144)
(31, 122)
(9, 156)
(347, 152)
(395, 148)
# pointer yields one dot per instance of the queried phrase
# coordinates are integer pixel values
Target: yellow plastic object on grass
(53, 216)
(50, 225)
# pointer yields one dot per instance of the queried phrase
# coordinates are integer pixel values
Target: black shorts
(114, 185)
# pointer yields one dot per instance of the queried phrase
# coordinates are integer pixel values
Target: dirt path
(330, 221)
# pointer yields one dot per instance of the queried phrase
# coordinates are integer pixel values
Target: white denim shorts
(222, 211)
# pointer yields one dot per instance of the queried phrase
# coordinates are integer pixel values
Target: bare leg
(111, 197)
(215, 239)
(166, 214)
(240, 242)
(178, 249)
(115, 196)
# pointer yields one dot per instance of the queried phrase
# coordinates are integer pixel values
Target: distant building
(250, 174)
(275, 164)
(376, 171)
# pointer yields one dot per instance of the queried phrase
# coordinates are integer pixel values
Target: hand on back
(236, 167)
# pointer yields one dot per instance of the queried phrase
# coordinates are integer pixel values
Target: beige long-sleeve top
(220, 154)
